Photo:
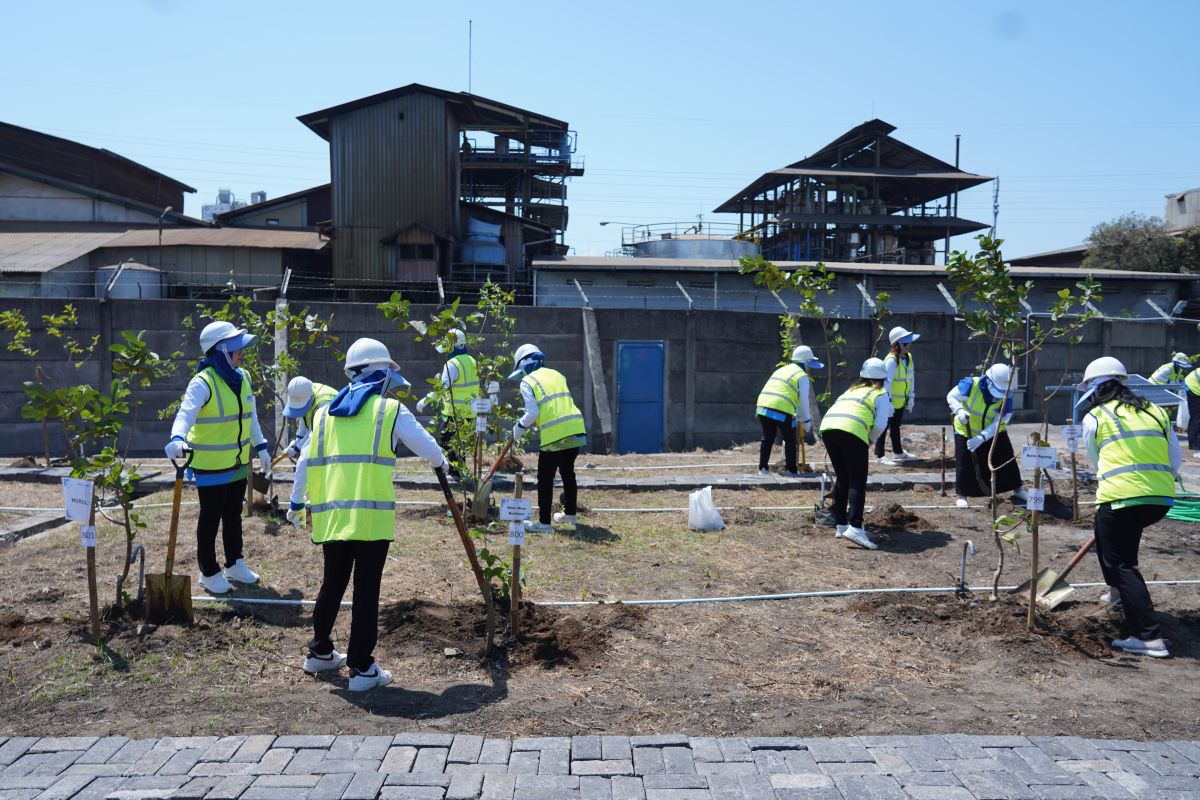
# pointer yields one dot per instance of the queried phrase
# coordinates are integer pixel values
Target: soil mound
(16, 630)
(894, 517)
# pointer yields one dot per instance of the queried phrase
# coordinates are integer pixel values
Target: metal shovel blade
(1051, 589)
(169, 598)
(258, 480)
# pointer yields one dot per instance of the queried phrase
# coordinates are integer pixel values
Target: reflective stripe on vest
(558, 416)
(1192, 381)
(1134, 455)
(465, 387)
(221, 435)
(901, 385)
(982, 412)
(853, 412)
(781, 391)
(322, 394)
(350, 474)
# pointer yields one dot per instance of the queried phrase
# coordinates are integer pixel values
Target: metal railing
(636, 234)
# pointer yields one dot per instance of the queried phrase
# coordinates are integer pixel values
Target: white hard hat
(1000, 375)
(1103, 368)
(366, 352)
(803, 354)
(902, 335)
(460, 340)
(1181, 358)
(299, 397)
(221, 331)
(873, 369)
(524, 352)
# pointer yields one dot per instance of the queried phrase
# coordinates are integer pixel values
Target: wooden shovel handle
(461, 524)
(176, 499)
(499, 459)
(1075, 559)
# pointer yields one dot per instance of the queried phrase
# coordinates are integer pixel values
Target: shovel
(259, 479)
(483, 492)
(1052, 587)
(484, 587)
(169, 596)
(804, 465)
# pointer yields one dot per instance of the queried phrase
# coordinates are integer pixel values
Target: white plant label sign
(1036, 499)
(1039, 457)
(1072, 433)
(514, 510)
(481, 424)
(481, 405)
(87, 536)
(493, 387)
(77, 499)
(516, 534)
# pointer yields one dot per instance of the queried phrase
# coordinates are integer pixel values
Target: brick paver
(429, 766)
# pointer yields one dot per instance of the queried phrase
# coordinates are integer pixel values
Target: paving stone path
(434, 766)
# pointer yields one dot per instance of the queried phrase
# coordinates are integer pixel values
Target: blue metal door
(640, 368)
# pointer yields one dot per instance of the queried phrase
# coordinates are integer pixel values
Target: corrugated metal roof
(44, 250)
(222, 237)
(634, 264)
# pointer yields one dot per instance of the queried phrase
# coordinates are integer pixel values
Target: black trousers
(365, 560)
(772, 429)
(1118, 537)
(220, 507)
(893, 430)
(562, 462)
(1193, 431)
(849, 456)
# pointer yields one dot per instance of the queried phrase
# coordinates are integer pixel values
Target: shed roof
(470, 109)
(42, 251)
(223, 237)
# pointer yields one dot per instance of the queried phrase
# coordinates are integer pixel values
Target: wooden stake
(943, 461)
(1033, 555)
(514, 593)
(1074, 481)
(93, 599)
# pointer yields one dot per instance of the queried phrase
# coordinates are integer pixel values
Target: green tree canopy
(1138, 243)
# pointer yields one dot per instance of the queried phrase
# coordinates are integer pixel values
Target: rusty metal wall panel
(392, 164)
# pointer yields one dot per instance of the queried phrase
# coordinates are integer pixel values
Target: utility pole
(995, 205)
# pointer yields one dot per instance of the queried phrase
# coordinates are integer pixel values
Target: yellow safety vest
(465, 387)
(322, 394)
(558, 416)
(350, 466)
(1134, 455)
(853, 412)
(1192, 381)
(781, 391)
(221, 435)
(982, 412)
(1170, 373)
(901, 385)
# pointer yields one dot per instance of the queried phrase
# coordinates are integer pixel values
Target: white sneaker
(1155, 648)
(315, 663)
(764, 472)
(961, 502)
(859, 537)
(214, 584)
(563, 518)
(375, 676)
(1112, 596)
(886, 461)
(241, 573)
(906, 456)
(538, 527)
(840, 532)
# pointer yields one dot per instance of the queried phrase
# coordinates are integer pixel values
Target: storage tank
(136, 282)
(669, 245)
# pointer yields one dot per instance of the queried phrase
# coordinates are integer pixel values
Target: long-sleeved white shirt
(194, 398)
(955, 399)
(406, 431)
(448, 376)
(1174, 451)
(889, 365)
(883, 413)
(530, 417)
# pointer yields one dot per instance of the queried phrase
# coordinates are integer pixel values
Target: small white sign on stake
(516, 534)
(87, 536)
(77, 499)
(481, 424)
(1072, 433)
(481, 405)
(1036, 499)
(493, 387)
(513, 509)
(1039, 457)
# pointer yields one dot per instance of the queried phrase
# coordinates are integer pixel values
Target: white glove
(963, 416)
(974, 443)
(175, 449)
(296, 517)
(518, 433)
(293, 449)
(911, 402)
(421, 405)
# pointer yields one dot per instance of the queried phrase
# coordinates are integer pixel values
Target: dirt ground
(864, 664)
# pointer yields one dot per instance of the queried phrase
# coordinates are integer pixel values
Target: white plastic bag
(1181, 420)
(702, 513)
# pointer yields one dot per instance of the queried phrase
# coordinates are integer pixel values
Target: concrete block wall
(716, 361)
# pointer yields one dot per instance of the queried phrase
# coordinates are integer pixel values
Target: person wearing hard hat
(1137, 456)
(460, 380)
(852, 423)
(1174, 371)
(901, 386)
(218, 422)
(345, 471)
(783, 406)
(982, 408)
(303, 398)
(561, 433)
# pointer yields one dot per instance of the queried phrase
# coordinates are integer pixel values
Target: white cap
(902, 335)
(368, 352)
(803, 354)
(460, 339)
(1000, 375)
(873, 369)
(523, 354)
(221, 331)
(299, 397)
(1102, 369)
(1181, 358)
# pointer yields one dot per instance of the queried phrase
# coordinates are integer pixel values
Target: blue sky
(1086, 110)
